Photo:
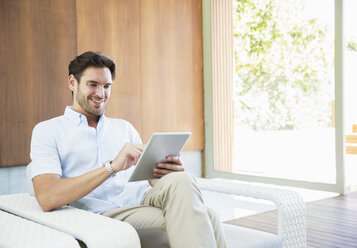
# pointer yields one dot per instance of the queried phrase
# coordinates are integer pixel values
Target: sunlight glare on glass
(284, 89)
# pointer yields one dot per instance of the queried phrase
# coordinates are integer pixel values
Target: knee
(180, 178)
(181, 182)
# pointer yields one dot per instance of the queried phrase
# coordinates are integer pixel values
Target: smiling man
(85, 159)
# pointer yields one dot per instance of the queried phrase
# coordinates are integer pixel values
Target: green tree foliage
(352, 46)
(283, 66)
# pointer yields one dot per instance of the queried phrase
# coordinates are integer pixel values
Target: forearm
(52, 192)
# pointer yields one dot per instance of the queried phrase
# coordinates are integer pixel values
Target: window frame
(209, 167)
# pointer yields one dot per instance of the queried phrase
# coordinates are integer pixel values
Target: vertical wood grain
(112, 27)
(171, 68)
(36, 43)
(354, 128)
(222, 84)
(157, 47)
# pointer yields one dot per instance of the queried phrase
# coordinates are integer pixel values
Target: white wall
(13, 179)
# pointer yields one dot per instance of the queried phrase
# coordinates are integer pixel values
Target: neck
(92, 119)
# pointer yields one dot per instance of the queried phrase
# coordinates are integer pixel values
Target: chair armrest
(93, 229)
(291, 207)
(19, 232)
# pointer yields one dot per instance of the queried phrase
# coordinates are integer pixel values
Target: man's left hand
(173, 164)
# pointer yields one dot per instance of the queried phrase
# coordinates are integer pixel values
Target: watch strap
(109, 168)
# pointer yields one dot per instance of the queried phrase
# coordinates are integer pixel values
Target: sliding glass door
(284, 90)
(283, 119)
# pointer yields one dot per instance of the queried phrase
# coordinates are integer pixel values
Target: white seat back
(29, 181)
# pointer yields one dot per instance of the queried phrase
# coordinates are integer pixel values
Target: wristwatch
(110, 168)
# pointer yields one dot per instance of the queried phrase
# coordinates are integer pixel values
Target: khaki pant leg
(148, 222)
(187, 221)
(138, 216)
(218, 229)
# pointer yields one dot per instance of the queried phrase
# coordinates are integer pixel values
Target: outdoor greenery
(283, 66)
(352, 46)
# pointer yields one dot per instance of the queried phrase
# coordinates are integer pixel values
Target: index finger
(141, 147)
(175, 159)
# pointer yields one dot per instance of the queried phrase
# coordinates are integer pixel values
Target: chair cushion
(236, 236)
(241, 237)
(153, 237)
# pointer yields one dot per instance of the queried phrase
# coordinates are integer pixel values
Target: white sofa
(71, 227)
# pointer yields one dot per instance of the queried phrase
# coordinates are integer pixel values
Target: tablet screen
(159, 147)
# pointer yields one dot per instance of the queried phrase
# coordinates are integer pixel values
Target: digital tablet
(159, 147)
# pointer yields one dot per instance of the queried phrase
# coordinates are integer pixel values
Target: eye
(92, 85)
(107, 86)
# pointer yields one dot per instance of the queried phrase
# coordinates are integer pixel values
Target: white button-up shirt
(67, 146)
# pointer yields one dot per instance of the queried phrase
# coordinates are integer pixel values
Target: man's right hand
(52, 191)
(127, 157)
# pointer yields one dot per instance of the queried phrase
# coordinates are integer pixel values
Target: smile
(97, 101)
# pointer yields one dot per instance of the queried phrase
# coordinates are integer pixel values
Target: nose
(100, 91)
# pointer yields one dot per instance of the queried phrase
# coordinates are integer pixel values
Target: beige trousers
(175, 202)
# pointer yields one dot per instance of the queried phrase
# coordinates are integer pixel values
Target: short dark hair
(87, 59)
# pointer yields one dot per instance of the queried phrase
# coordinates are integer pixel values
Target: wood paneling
(354, 128)
(171, 68)
(15, 150)
(351, 149)
(351, 138)
(222, 84)
(113, 27)
(36, 43)
(156, 45)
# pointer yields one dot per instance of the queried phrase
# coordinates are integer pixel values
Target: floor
(331, 222)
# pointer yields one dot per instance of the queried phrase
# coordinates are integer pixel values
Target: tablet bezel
(158, 145)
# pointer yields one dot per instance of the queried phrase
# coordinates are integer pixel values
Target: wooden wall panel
(36, 43)
(156, 44)
(171, 68)
(112, 27)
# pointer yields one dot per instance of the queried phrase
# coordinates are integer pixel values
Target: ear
(72, 82)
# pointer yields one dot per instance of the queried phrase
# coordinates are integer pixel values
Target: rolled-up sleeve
(44, 152)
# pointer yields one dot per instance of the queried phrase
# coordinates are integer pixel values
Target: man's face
(93, 91)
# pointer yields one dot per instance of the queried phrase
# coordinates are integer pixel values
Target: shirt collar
(78, 118)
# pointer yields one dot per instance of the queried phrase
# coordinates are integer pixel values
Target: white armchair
(66, 225)
(291, 214)
(92, 229)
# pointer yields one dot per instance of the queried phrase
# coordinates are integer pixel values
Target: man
(85, 159)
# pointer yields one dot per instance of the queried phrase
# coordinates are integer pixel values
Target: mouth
(97, 102)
